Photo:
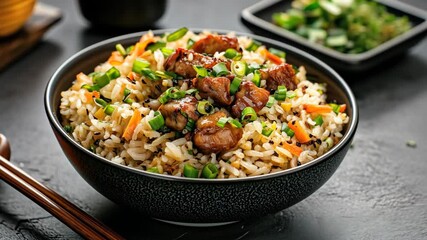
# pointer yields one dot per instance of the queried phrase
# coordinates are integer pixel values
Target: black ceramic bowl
(125, 14)
(199, 201)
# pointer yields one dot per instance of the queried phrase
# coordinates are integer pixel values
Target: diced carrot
(131, 76)
(273, 58)
(140, 46)
(300, 133)
(116, 58)
(88, 96)
(292, 148)
(133, 122)
(313, 108)
(343, 107)
(96, 94)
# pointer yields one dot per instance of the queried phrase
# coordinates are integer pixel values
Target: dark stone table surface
(378, 192)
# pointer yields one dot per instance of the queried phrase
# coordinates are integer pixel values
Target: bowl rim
(55, 123)
(248, 14)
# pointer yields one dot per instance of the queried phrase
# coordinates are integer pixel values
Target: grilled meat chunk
(182, 60)
(217, 88)
(216, 43)
(209, 138)
(177, 112)
(249, 95)
(283, 74)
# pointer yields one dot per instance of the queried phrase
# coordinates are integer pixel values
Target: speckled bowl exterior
(199, 200)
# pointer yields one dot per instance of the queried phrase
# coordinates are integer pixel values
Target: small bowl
(258, 18)
(125, 14)
(191, 201)
(14, 14)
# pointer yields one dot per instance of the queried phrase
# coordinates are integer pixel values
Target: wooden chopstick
(67, 212)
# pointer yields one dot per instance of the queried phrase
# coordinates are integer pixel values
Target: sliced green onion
(93, 74)
(172, 74)
(287, 130)
(221, 122)
(190, 171)
(254, 45)
(335, 107)
(153, 170)
(232, 53)
(121, 49)
(266, 131)
(101, 80)
(113, 73)
(90, 88)
(147, 72)
(239, 68)
(290, 94)
(220, 69)
(129, 49)
(178, 34)
(270, 102)
(171, 93)
(210, 171)
(204, 107)
(248, 115)
(191, 91)
(190, 151)
(128, 100)
(235, 123)
(318, 120)
(191, 124)
(201, 71)
(156, 45)
(162, 75)
(140, 64)
(167, 51)
(234, 87)
(277, 52)
(257, 78)
(109, 109)
(101, 102)
(177, 94)
(68, 128)
(280, 93)
(190, 43)
(157, 122)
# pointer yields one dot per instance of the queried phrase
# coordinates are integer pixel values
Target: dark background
(379, 191)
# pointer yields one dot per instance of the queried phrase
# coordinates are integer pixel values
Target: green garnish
(220, 69)
(210, 171)
(234, 87)
(178, 34)
(248, 115)
(157, 122)
(121, 49)
(190, 171)
(204, 107)
(351, 26)
(280, 93)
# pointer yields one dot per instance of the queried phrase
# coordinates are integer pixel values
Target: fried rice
(165, 151)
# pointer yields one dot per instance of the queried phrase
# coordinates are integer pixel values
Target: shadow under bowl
(199, 201)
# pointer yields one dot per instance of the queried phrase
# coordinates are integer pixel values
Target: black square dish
(258, 18)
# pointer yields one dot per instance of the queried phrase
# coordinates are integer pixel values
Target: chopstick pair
(81, 222)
